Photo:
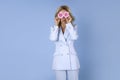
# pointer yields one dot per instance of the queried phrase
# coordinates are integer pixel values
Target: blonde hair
(66, 8)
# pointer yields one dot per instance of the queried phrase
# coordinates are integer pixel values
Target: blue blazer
(65, 56)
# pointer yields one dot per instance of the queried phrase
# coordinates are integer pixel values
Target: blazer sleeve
(72, 30)
(54, 33)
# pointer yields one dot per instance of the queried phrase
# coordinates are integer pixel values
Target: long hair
(66, 8)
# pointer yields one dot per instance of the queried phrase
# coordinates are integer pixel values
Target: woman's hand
(69, 19)
(57, 21)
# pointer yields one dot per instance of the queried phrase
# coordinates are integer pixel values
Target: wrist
(68, 23)
(56, 26)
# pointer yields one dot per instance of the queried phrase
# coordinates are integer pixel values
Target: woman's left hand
(68, 19)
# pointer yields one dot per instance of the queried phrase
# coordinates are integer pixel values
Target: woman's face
(63, 19)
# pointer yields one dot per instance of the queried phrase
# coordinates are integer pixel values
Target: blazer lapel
(64, 36)
(61, 36)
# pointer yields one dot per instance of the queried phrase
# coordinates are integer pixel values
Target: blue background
(26, 51)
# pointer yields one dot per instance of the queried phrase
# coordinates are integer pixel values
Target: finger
(69, 17)
(57, 19)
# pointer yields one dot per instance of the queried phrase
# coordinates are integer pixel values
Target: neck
(63, 25)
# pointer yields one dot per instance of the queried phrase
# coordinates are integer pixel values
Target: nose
(63, 18)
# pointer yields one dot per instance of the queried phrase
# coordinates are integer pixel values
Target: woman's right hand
(57, 21)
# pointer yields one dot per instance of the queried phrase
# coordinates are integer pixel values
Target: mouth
(63, 20)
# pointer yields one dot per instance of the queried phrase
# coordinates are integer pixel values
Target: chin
(64, 22)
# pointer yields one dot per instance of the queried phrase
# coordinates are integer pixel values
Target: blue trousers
(67, 74)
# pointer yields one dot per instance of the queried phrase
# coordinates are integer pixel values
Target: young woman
(63, 33)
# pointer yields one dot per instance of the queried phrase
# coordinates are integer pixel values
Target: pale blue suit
(65, 56)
